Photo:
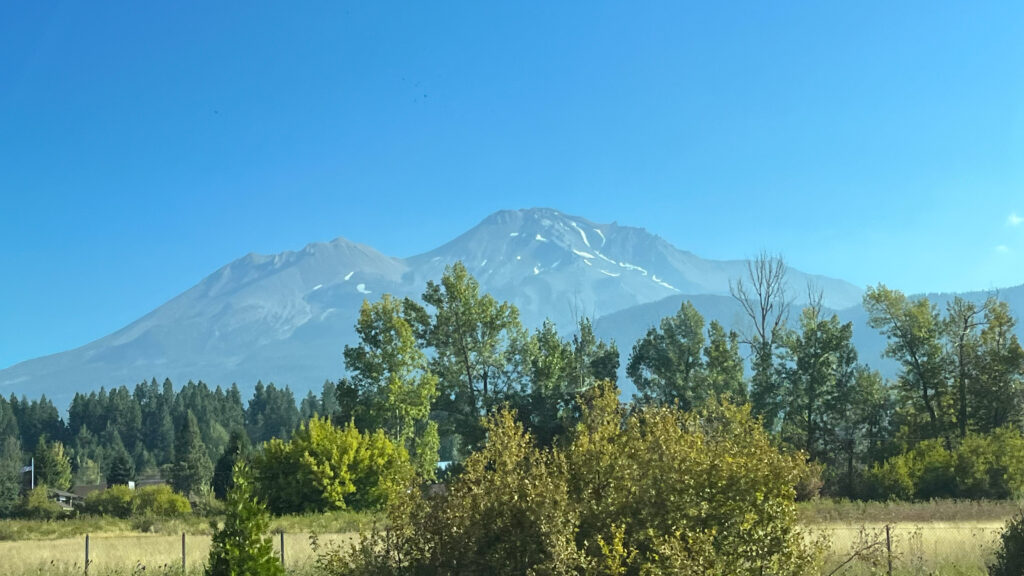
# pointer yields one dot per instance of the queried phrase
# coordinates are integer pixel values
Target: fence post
(282, 548)
(182, 552)
(86, 553)
(888, 547)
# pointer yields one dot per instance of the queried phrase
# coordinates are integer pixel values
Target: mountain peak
(286, 316)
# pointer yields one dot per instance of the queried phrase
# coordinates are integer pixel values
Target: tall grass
(847, 512)
(327, 523)
(139, 554)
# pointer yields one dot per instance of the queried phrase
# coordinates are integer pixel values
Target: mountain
(286, 317)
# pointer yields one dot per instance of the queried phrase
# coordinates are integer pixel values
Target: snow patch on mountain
(628, 266)
(663, 283)
(582, 233)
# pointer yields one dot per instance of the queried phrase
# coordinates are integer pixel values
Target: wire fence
(138, 554)
(963, 549)
(897, 549)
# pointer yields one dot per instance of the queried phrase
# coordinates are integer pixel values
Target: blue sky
(144, 145)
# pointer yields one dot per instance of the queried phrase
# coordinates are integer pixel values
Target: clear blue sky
(143, 145)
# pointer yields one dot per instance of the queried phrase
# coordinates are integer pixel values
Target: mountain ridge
(286, 317)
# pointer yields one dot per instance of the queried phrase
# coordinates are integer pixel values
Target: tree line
(426, 372)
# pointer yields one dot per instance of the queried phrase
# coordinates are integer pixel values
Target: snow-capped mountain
(286, 317)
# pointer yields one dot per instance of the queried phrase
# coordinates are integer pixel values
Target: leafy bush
(160, 501)
(151, 501)
(809, 483)
(891, 480)
(657, 492)
(116, 501)
(37, 505)
(932, 466)
(325, 467)
(1010, 556)
(981, 466)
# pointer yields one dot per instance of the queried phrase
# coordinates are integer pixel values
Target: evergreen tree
(191, 471)
(271, 413)
(155, 407)
(328, 400)
(723, 365)
(37, 418)
(236, 450)
(8, 422)
(310, 406)
(120, 467)
(242, 547)
(10, 474)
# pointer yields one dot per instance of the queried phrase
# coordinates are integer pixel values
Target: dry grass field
(947, 538)
(955, 548)
(135, 554)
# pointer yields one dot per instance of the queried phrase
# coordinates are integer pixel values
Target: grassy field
(945, 537)
(939, 537)
(111, 554)
(331, 522)
(955, 548)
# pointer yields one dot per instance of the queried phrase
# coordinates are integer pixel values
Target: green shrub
(160, 501)
(241, 546)
(1007, 473)
(657, 492)
(809, 483)
(973, 468)
(326, 467)
(1010, 556)
(37, 505)
(891, 480)
(981, 466)
(116, 501)
(932, 465)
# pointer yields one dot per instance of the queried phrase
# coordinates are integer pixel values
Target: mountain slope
(287, 317)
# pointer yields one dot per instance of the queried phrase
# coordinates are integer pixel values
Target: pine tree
(10, 474)
(192, 470)
(242, 547)
(120, 466)
(236, 450)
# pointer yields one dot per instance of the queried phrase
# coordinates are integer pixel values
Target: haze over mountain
(286, 317)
